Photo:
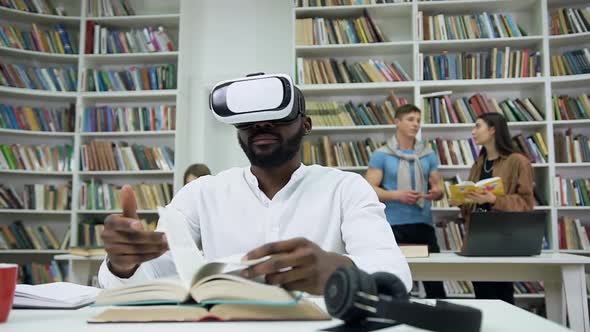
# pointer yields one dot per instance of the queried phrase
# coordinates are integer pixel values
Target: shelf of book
(137, 20)
(161, 133)
(467, 6)
(31, 252)
(319, 130)
(129, 58)
(41, 56)
(22, 16)
(389, 9)
(113, 96)
(580, 78)
(469, 126)
(357, 88)
(35, 133)
(572, 165)
(106, 212)
(37, 94)
(161, 20)
(576, 252)
(569, 39)
(483, 84)
(36, 173)
(126, 173)
(35, 212)
(571, 123)
(69, 257)
(334, 50)
(432, 46)
(572, 208)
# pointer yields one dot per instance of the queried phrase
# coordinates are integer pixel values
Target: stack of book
(37, 118)
(132, 78)
(329, 71)
(482, 65)
(570, 148)
(95, 195)
(36, 197)
(573, 235)
(56, 40)
(474, 26)
(340, 154)
(438, 108)
(570, 20)
(22, 76)
(533, 146)
(462, 152)
(450, 235)
(572, 192)
(119, 156)
(18, 236)
(40, 6)
(40, 273)
(572, 62)
(103, 40)
(129, 119)
(40, 157)
(571, 108)
(109, 8)
(324, 31)
(333, 114)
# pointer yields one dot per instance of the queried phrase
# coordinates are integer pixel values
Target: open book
(493, 185)
(214, 283)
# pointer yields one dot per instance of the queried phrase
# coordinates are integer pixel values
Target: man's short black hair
(406, 109)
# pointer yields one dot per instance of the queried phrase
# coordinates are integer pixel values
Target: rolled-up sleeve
(162, 266)
(368, 238)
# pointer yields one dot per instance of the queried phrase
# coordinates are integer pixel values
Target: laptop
(505, 234)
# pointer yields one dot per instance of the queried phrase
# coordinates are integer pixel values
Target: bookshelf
(150, 13)
(400, 24)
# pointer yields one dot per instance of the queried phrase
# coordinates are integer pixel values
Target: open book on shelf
(493, 185)
(200, 285)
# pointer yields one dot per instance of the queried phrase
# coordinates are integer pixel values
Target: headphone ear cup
(390, 284)
(341, 290)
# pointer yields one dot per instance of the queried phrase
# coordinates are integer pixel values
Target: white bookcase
(148, 13)
(399, 23)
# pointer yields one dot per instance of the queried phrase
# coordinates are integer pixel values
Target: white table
(562, 274)
(497, 317)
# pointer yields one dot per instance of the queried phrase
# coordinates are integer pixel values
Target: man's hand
(407, 196)
(435, 193)
(126, 243)
(295, 264)
(486, 197)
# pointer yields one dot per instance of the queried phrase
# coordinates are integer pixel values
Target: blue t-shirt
(398, 213)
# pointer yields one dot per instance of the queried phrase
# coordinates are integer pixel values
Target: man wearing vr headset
(309, 219)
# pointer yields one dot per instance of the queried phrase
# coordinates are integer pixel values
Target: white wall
(223, 39)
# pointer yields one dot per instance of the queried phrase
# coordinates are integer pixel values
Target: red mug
(8, 273)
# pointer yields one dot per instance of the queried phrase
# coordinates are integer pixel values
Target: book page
(189, 260)
(186, 255)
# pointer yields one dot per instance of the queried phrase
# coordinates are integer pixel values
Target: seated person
(194, 172)
(309, 219)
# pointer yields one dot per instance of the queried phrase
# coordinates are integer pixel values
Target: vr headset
(256, 98)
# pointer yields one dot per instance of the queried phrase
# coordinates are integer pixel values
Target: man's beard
(286, 150)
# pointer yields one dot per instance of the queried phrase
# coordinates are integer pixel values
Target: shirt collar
(253, 181)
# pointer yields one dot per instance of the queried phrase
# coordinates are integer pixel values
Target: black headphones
(354, 295)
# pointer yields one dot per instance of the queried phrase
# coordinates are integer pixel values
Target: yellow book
(493, 185)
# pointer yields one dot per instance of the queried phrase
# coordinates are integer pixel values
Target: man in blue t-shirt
(404, 173)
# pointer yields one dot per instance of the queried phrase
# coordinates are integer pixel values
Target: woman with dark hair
(498, 158)
(195, 171)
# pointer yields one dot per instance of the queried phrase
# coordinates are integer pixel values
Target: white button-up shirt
(228, 214)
